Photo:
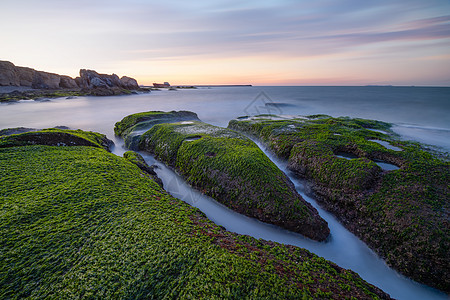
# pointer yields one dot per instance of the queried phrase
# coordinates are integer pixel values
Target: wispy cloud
(173, 30)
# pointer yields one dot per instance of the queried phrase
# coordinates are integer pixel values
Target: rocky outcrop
(26, 76)
(129, 83)
(226, 166)
(53, 137)
(44, 80)
(91, 79)
(67, 82)
(8, 75)
(11, 75)
(139, 161)
(402, 214)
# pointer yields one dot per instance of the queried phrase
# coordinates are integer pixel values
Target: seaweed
(79, 222)
(401, 214)
(230, 168)
(55, 137)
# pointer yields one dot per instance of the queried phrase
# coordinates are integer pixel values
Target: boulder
(44, 80)
(11, 75)
(67, 83)
(91, 79)
(54, 137)
(26, 76)
(96, 82)
(226, 166)
(129, 83)
(8, 75)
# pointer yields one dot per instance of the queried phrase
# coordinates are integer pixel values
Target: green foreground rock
(79, 222)
(402, 214)
(225, 165)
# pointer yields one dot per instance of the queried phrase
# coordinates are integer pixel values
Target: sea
(420, 114)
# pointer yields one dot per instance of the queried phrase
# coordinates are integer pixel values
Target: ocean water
(420, 114)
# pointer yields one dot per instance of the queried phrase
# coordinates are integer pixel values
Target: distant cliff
(11, 75)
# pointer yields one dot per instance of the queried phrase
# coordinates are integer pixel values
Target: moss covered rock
(232, 169)
(79, 222)
(133, 126)
(139, 161)
(54, 137)
(402, 214)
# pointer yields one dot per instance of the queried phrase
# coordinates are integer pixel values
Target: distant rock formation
(11, 75)
(92, 79)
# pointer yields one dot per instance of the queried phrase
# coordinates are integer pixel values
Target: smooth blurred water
(418, 113)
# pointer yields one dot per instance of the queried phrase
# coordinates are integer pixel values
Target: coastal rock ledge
(11, 75)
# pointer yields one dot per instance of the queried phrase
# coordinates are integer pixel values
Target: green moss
(79, 222)
(54, 136)
(381, 207)
(127, 124)
(232, 169)
(134, 157)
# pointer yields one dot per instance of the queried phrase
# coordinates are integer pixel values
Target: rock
(26, 76)
(132, 126)
(108, 85)
(8, 75)
(97, 82)
(401, 214)
(67, 83)
(55, 137)
(227, 166)
(139, 161)
(44, 80)
(16, 130)
(104, 84)
(129, 83)
(21, 76)
(92, 79)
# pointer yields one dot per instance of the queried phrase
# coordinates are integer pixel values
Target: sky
(263, 42)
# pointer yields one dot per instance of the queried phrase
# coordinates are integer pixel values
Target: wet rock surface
(139, 161)
(226, 166)
(14, 137)
(72, 211)
(401, 213)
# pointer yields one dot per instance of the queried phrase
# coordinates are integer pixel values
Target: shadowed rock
(54, 137)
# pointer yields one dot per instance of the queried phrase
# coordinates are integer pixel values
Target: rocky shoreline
(80, 222)
(401, 212)
(21, 83)
(225, 165)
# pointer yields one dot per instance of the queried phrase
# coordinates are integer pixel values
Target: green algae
(228, 167)
(128, 124)
(54, 136)
(79, 222)
(402, 214)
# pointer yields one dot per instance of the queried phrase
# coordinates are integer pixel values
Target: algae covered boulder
(133, 126)
(79, 222)
(52, 137)
(229, 167)
(140, 162)
(390, 193)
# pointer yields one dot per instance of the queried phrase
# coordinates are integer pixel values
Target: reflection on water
(387, 145)
(386, 166)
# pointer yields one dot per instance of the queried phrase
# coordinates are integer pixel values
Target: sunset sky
(263, 42)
